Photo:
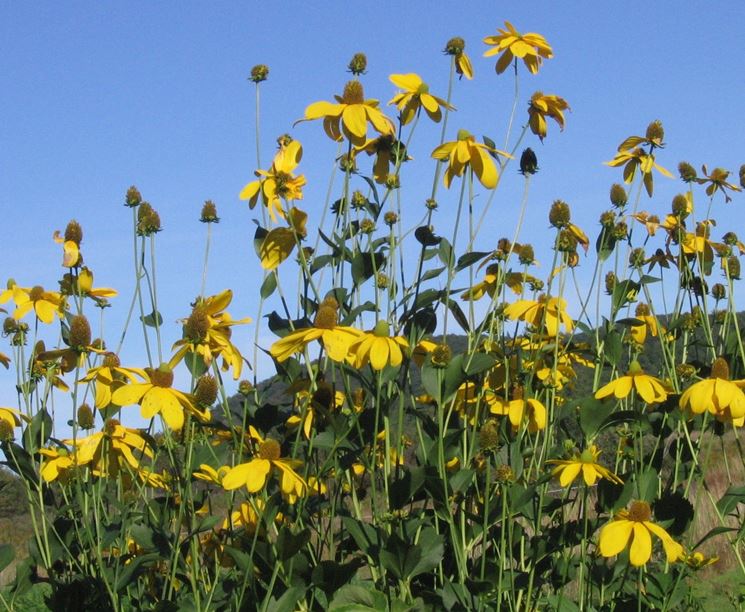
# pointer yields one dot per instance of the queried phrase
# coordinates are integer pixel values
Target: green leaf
(361, 597)
(468, 259)
(403, 489)
(445, 252)
(365, 535)
(288, 600)
(38, 431)
(731, 498)
(269, 285)
(624, 292)
(154, 319)
(363, 266)
(453, 378)
(195, 364)
(459, 315)
(434, 273)
(613, 347)
(259, 236)
(288, 543)
(592, 414)
(476, 363)
(604, 245)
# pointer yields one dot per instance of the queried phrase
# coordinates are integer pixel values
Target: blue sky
(99, 96)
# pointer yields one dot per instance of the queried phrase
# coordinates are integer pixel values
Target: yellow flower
(455, 47)
(45, 304)
(718, 395)
(247, 516)
(634, 526)
(464, 153)
(70, 250)
(56, 462)
(109, 450)
(717, 181)
(542, 106)
(255, 473)
(378, 348)
(532, 48)
(387, 151)
(350, 115)
(548, 313)
(155, 396)
(279, 243)
(648, 323)
(109, 376)
(638, 158)
(697, 560)
(336, 339)
(416, 96)
(278, 183)
(210, 474)
(85, 286)
(12, 416)
(322, 401)
(207, 333)
(652, 390)
(586, 462)
(517, 409)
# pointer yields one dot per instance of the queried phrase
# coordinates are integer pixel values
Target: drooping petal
(614, 537)
(379, 352)
(130, 394)
(569, 473)
(641, 545)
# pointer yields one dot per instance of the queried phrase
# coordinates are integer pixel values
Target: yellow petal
(407, 82)
(354, 119)
(569, 473)
(130, 394)
(379, 352)
(641, 545)
(614, 536)
(323, 109)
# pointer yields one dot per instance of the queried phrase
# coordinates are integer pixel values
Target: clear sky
(98, 96)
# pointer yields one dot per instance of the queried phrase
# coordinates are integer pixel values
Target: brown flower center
(197, 325)
(353, 93)
(162, 377)
(640, 512)
(36, 293)
(270, 450)
(327, 315)
(720, 369)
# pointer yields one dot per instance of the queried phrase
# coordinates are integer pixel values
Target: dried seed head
(148, 220)
(528, 162)
(392, 181)
(74, 232)
(637, 257)
(206, 390)
(732, 265)
(358, 200)
(284, 140)
(620, 230)
(640, 512)
(441, 355)
(367, 226)
(358, 64)
(6, 431)
(687, 172)
(680, 206)
(718, 291)
(270, 450)
(85, 417)
(162, 376)
(567, 241)
(348, 163)
(431, 204)
(259, 73)
(328, 314)
(610, 282)
(608, 219)
(720, 369)
(618, 196)
(489, 435)
(455, 46)
(390, 218)
(80, 332)
(504, 474)
(730, 239)
(197, 325)
(560, 214)
(382, 281)
(354, 93)
(655, 132)
(10, 326)
(209, 213)
(133, 197)
(245, 387)
(526, 255)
